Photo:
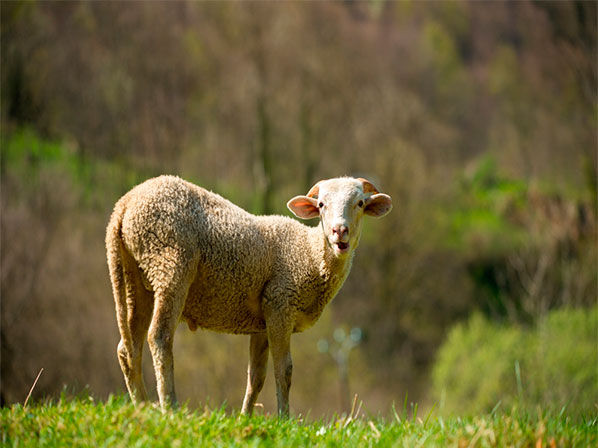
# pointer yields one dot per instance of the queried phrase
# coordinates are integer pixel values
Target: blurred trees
(478, 118)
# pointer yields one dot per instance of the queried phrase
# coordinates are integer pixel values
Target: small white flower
(321, 431)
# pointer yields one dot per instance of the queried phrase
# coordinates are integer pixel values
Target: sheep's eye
(360, 203)
(321, 204)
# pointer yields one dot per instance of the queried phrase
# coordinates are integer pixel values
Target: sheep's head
(341, 203)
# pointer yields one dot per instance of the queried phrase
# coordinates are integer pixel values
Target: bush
(550, 366)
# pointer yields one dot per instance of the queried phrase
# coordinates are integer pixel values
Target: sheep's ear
(368, 187)
(378, 205)
(304, 207)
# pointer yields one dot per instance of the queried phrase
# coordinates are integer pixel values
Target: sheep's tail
(114, 254)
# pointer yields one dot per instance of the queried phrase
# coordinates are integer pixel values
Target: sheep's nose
(341, 232)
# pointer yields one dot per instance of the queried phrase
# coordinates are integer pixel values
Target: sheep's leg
(256, 372)
(138, 316)
(168, 306)
(279, 339)
(139, 322)
(131, 362)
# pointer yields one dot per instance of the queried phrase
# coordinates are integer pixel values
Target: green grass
(116, 422)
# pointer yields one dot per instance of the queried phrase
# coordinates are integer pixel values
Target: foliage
(482, 219)
(522, 243)
(483, 365)
(25, 154)
(85, 422)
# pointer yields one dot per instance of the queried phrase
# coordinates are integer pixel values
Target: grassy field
(116, 422)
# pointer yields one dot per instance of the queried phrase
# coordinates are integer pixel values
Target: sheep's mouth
(341, 247)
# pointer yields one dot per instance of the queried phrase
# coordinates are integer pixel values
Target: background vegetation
(483, 365)
(479, 119)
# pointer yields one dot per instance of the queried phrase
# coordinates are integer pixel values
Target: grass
(117, 423)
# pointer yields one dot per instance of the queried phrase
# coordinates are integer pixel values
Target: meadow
(83, 421)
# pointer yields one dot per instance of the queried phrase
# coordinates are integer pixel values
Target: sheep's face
(341, 203)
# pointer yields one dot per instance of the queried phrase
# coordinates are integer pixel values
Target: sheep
(177, 252)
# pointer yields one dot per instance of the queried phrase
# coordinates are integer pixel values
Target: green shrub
(551, 366)
(565, 346)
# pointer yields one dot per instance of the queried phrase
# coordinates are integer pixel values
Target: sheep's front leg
(256, 372)
(279, 331)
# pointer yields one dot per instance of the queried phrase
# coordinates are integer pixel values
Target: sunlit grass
(116, 422)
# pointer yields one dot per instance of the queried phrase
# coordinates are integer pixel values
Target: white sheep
(178, 252)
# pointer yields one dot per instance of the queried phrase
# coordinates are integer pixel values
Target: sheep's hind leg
(168, 306)
(256, 372)
(139, 313)
(131, 363)
(139, 323)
